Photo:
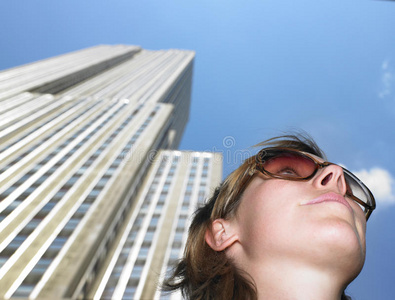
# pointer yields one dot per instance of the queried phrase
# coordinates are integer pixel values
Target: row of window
(134, 279)
(36, 108)
(137, 72)
(166, 68)
(179, 237)
(148, 72)
(150, 217)
(127, 247)
(51, 170)
(41, 125)
(179, 86)
(53, 250)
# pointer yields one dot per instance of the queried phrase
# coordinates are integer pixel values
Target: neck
(287, 280)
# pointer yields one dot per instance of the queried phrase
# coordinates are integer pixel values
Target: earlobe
(220, 235)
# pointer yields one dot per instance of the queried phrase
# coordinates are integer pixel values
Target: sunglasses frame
(318, 165)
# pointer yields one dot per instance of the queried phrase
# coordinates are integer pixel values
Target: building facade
(90, 206)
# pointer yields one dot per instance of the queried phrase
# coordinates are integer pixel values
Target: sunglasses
(291, 164)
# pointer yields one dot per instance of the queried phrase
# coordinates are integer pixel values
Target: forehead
(320, 159)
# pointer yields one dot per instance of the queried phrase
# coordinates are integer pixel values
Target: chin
(344, 249)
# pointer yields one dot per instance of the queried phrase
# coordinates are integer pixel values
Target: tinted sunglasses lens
(357, 188)
(289, 165)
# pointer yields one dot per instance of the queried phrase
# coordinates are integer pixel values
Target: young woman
(285, 225)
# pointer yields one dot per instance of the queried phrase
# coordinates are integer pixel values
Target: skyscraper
(90, 206)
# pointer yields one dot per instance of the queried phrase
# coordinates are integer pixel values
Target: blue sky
(262, 68)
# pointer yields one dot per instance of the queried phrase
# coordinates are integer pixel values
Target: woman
(284, 225)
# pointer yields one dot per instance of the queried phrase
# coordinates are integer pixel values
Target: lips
(329, 197)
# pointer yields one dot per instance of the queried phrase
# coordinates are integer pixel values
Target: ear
(221, 235)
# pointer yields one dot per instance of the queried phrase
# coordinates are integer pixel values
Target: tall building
(91, 207)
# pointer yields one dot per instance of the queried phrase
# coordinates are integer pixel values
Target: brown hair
(204, 273)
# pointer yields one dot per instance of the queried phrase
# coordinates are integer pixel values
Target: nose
(331, 178)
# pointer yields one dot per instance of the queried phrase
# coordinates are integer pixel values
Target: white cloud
(380, 182)
(387, 79)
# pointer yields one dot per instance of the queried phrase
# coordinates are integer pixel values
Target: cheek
(360, 222)
(265, 217)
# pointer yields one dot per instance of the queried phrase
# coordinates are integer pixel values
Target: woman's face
(309, 221)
